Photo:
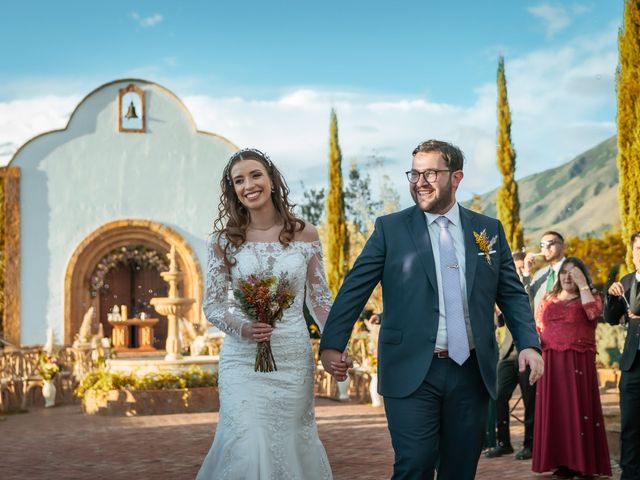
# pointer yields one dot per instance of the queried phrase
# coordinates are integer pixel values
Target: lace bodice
(568, 324)
(301, 260)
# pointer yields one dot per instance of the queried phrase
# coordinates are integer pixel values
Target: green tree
(628, 90)
(361, 209)
(313, 206)
(389, 197)
(507, 202)
(337, 246)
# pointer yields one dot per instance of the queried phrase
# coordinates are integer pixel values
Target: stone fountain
(173, 307)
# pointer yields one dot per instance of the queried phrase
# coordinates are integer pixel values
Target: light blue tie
(453, 306)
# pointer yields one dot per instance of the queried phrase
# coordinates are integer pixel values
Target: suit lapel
(417, 224)
(470, 248)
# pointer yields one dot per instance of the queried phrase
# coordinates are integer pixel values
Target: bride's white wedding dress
(267, 427)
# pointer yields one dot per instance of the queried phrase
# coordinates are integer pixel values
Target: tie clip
(455, 265)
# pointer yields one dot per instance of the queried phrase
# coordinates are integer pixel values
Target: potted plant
(48, 368)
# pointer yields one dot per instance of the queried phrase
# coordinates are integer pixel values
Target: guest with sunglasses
(552, 248)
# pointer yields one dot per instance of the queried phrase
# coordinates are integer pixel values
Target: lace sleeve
(216, 304)
(318, 296)
(593, 309)
(539, 314)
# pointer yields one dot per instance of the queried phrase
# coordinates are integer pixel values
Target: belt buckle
(442, 354)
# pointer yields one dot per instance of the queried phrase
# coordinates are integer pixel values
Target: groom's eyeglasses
(430, 176)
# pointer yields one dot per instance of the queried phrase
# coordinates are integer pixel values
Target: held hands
(257, 331)
(530, 357)
(336, 363)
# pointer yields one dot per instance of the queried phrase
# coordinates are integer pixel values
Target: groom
(442, 269)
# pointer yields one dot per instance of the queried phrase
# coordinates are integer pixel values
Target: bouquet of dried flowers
(264, 298)
(48, 366)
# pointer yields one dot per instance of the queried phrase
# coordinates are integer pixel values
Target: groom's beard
(442, 199)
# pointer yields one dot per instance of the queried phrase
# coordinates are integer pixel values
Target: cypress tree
(337, 246)
(507, 202)
(628, 90)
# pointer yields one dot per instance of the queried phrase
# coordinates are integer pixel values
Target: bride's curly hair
(234, 218)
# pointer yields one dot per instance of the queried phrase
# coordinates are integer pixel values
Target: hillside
(577, 198)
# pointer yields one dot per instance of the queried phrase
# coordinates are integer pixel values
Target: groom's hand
(336, 363)
(531, 358)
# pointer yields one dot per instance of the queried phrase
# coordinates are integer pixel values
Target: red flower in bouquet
(264, 298)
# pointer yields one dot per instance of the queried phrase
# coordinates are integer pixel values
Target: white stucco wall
(77, 179)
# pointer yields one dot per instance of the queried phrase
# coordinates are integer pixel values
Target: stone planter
(151, 402)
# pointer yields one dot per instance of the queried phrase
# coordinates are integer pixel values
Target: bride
(267, 427)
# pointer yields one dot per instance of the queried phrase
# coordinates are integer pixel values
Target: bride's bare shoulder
(308, 234)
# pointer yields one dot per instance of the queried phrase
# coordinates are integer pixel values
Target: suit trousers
(508, 377)
(630, 421)
(440, 426)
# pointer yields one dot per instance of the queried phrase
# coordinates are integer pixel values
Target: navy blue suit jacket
(399, 255)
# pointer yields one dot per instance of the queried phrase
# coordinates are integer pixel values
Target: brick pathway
(62, 443)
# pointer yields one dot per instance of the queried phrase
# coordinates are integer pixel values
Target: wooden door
(134, 287)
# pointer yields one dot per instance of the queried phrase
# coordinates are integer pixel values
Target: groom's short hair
(452, 155)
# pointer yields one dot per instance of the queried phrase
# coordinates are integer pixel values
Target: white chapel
(92, 210)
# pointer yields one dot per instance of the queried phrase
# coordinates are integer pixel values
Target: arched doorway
(129, 276)
(122, 277)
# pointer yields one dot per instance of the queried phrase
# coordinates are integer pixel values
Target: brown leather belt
(441, 354)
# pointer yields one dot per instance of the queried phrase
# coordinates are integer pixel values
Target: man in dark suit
(442, 269)
(622, 305)
(509, 377)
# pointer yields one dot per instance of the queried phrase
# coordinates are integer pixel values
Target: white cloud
(557, 98)
(145, 22)
(554, 19)
(20, 120)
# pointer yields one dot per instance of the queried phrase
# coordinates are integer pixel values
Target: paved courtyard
(62, 443)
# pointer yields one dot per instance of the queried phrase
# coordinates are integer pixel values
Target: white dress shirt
(455, 228)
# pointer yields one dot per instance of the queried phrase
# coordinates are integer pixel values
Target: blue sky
(267, 74)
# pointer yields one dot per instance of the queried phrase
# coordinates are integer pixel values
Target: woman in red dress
(569, 435)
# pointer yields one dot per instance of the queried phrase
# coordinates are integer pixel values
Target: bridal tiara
(240, 154)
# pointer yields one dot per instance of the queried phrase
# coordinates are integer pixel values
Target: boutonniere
(484, 244)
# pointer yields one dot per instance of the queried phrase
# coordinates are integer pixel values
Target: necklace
(262, 229)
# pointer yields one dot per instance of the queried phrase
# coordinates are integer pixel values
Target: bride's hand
(257, 331)
(341, 368)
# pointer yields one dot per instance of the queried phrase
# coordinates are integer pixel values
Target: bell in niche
(131, 113)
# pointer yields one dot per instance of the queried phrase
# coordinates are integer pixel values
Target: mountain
(577, 198)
